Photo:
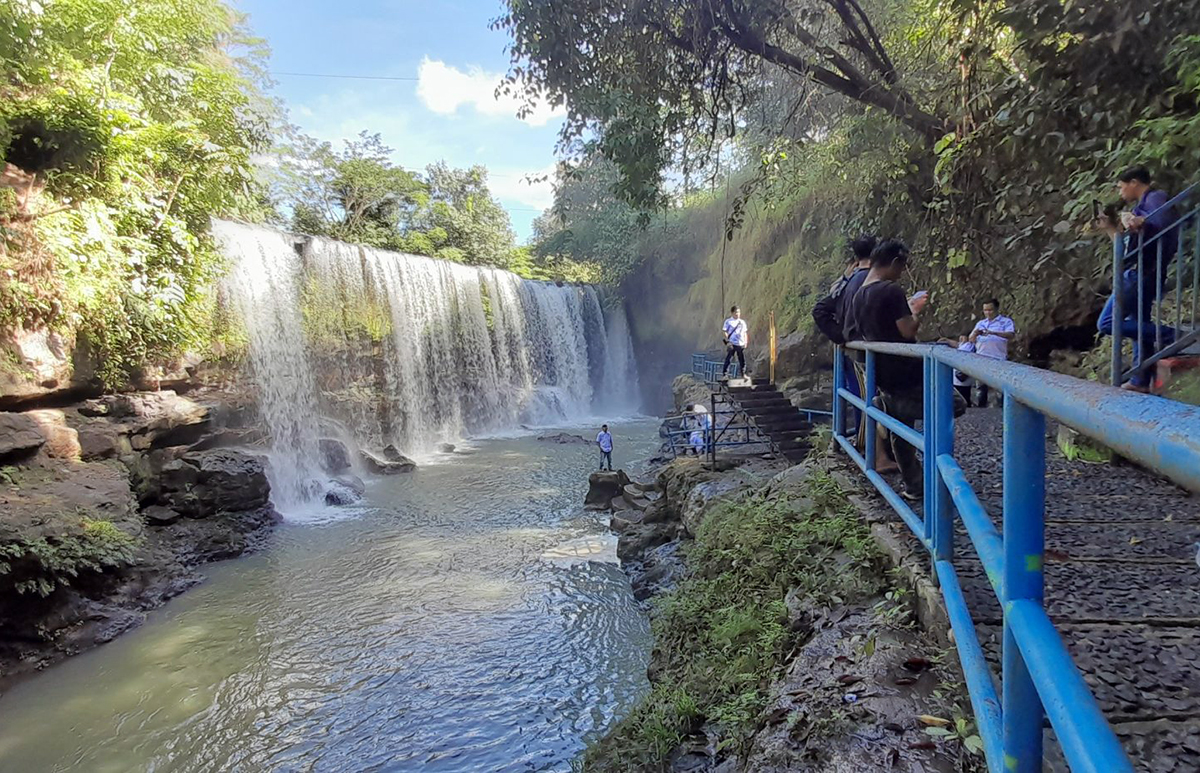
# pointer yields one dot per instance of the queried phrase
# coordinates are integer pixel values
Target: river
(468, 617)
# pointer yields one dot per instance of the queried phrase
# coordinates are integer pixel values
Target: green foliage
(722, 636)
(42, 564)
(657, 80)
(139, 120)
(358, 195)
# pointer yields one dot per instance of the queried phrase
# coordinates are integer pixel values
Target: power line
(350, 77)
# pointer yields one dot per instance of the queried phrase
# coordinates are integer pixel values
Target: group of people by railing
(867, 304)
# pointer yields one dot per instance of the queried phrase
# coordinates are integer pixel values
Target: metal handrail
(1039, 678)
(1184, 336)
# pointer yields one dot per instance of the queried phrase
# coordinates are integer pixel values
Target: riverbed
(469, 616)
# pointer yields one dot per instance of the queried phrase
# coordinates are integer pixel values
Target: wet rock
(384, 466)
(157, 515)
(335, 457)
(603, 487)
(201, 483)
(660, 571)
(564, 439)
(352, 482)
(345, 490)
(703, 496)
(226, 437)
(19, 436)
(446, 448)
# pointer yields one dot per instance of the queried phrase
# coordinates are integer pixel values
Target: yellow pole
(774, 352)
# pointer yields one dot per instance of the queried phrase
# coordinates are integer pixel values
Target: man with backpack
(830, 313)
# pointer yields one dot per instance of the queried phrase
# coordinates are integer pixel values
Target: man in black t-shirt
(880, 311)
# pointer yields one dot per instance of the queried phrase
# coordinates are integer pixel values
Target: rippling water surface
(471, 618)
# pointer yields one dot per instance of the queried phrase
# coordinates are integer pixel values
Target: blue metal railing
(1176, 282)
(1038, 677)
(708, 370)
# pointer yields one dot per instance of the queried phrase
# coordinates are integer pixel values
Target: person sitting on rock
(604, 440)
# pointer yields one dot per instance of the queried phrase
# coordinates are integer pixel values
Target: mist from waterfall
(412, 351)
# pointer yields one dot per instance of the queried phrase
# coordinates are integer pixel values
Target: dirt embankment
(781, 642)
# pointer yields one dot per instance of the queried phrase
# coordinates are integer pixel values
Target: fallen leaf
(849, 679)
(938, 731)
(926, 719)
(917, 664)
(904, 681)
(923, 745)
(1135, 541)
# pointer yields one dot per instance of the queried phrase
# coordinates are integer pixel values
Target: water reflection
(472, 619)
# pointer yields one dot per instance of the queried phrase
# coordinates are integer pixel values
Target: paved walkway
(1122, 585)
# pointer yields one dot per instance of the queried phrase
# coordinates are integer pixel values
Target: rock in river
(387, 466)
(603, 487)
(205, 482)
(563, 439)
(335, 457)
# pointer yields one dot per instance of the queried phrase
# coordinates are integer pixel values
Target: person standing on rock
(990, 337)
(604, 440)
(736, 338)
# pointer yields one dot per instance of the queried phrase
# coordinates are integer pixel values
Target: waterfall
(264, 286)
(412, 351)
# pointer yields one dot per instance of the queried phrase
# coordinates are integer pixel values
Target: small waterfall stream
(412, 351)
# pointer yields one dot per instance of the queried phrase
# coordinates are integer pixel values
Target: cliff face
(785, 258)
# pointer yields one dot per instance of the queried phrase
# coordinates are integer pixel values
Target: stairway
(776, 417)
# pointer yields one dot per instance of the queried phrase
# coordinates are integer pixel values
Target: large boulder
(62, 441)
(688, 390)
(152, 419)
(335, 457)
(603, 487)
(797, 354)
(383, 466)
(19, 436)
(201, 483)
(345, 490)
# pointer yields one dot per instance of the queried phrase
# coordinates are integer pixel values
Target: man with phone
(990, 337)
(1149, 229)
(881, 312)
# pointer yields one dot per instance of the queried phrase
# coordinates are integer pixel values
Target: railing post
(868, 402)
(839, 420)
(930, 467)
(1024, 541)
(1118, 308)
(942, 431)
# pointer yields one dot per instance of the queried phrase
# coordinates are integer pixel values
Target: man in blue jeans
(604, 441)
(1150, 218)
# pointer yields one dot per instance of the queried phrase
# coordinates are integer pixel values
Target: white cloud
(515, 186)
(444, 89)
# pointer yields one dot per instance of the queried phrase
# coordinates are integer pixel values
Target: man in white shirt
(604, 440)
(991, 336)
(736, 338)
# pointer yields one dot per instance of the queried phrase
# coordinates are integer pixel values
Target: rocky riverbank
(782, 641)
(107, 507)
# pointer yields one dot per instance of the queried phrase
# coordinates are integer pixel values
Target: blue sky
(449, 113)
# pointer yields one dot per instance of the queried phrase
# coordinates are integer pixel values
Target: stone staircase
(774, 416)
